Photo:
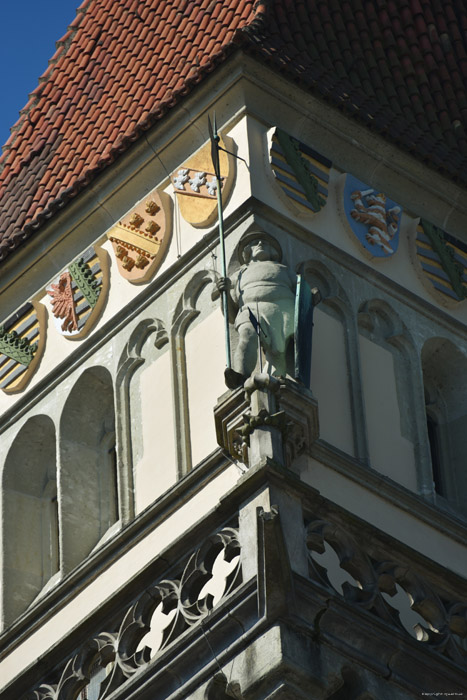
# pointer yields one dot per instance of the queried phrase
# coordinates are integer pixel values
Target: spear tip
(214, 138)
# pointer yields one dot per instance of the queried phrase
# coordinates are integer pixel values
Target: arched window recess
(89, 503)
(444, 368)
(30, 534)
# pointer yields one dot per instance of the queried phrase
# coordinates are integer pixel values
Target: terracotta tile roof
(400, 66)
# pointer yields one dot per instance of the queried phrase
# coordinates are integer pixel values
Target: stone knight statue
(263, 289)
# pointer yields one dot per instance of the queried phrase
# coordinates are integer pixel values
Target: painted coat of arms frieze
(22, 342)
(141, 238)
(195, 183)
(301, 173)
(78, 294)
(441, 261)
(372, 219)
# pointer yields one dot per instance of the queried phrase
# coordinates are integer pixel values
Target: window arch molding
(130, 361)
(185, 313)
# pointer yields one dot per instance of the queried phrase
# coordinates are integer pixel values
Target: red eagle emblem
(63, 303)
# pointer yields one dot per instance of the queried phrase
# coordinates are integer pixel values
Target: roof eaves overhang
(391, 166)
(113, 190)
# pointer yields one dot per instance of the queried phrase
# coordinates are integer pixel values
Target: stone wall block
(275, 584)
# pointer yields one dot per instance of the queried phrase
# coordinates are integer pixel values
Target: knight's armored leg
(280, 329)
(246, 353)
(245, 357)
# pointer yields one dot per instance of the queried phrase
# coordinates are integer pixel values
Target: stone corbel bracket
(296, 416)
(301, 410)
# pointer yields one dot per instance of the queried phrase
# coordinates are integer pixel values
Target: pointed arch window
(332, 361)
(388, 362)
(145, 419)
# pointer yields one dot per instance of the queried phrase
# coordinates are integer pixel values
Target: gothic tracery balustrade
(185, 599)
(387, 588)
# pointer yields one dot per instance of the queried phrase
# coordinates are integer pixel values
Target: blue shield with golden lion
(373, 218)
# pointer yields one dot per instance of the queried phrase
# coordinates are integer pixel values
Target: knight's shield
(141, 238)
(22, 342)
(441, 260)
(372, 219)
(301, 173)
(79, 293)
(195, 183)
(303, 331)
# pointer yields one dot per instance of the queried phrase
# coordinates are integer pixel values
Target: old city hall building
(233, 360)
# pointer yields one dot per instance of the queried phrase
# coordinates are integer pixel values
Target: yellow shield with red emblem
(141, 238)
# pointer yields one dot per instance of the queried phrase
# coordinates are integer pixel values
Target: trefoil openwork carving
(378, 580)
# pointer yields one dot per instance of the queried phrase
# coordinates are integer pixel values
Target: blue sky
(28, 30)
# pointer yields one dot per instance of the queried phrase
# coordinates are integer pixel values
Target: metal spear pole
(216, 165)
(260, 354)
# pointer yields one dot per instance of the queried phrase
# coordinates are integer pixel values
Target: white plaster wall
(330, 381)
(25, 563)
(390, 452)
(205, 364)
(152, 425)
(184, 237)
